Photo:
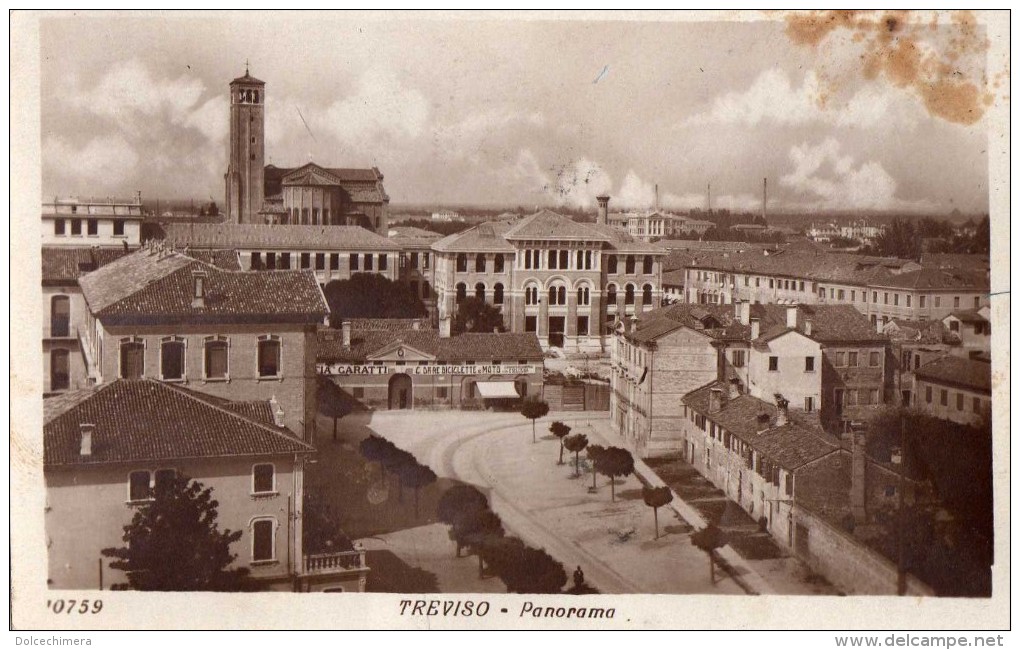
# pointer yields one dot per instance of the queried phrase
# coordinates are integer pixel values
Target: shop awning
(497, 389)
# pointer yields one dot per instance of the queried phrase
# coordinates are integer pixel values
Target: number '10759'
(71, 606)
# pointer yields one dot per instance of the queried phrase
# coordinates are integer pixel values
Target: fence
(576, 397)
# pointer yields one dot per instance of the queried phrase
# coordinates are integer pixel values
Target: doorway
(400, 391)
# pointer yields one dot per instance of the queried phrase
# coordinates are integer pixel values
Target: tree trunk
(656, 511)
(612, 487)
(593, 477)
(533, 439)
(334, 428)
(577, 464)
(561, 452)
(711, 565)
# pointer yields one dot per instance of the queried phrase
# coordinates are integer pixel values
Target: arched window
(497, 294)
(480, 263)
(269, 356)
(461, 292)
(649, 260)
(613, 264)
(60, 316)
(628, 296)
(480, 291)
(132, 358)
(171, 358)
(561, 295)
(255, 95)
(611, 294)
(630, 264)
(583, 296)
(217, 365)
(461, 262)
(552, 295)
(531, 295)
(60, 370)
(646, 295)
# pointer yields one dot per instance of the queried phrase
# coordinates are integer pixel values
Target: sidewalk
(741, 571)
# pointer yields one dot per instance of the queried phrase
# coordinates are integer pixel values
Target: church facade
(306, 195)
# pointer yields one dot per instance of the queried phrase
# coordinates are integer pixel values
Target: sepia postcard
(537, 320)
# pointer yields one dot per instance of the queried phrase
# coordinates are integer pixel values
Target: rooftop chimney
(416, 324)
(734, 388)
(783, 414)
(199, 276)
(808, 326)
(764, 197)
(755, 328)
(791, 316)
(745, 312)
(345, 333)
(86, 438)
(603, 213)
(715, 400)
(277, 410)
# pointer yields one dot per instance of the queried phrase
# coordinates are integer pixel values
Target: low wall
(576, 397)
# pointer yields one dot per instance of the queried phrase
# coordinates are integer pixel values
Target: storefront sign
(430, 370)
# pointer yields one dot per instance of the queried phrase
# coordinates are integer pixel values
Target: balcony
(331, 563)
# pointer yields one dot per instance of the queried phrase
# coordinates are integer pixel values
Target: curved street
(543, 503)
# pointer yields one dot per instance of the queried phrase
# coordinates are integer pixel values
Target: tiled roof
(486, 237)
(716, 321)
(969, 316)
(148, 285)
(829, 323)
(791, 445)
(362, 185)
(935, 279)
(221, 259)
(547, 224)
(673, 278)
(248, 79)
(956, 261)
(273, 237)
(412, 233)
(622, 242)
(391, 324)
(65, 265)
(146, 420)
(481, 347)
(921, 331)
(957, 371)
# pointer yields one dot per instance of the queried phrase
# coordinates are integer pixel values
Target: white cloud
(577, 183)
(774, 98)
(381, 108)
(104, 161)
(824, 178)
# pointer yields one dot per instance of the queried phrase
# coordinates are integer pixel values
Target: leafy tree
(174, 544)
(416, 476)
(458, 503)
(476, 315)
(614, 462)
(576, 443)
(560, 430)
(478, 531)
(321, 528)
(593, 454)
(334, 402)
(708, 539)
(655, 498)
(370, 295)
(524, 570)
(533, 409)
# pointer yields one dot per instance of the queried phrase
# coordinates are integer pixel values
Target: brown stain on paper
(935, 61)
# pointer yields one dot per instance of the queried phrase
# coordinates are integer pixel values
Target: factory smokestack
(764, 197)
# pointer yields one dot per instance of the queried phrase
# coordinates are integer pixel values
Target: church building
(306, 195)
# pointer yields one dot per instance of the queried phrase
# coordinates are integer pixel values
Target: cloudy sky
(527, 113)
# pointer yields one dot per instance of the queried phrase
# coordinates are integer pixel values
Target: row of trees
(370, 295)
(394, 460)
(479, 530)
(903, 238)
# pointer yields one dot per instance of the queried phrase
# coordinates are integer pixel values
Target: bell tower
(246, 155)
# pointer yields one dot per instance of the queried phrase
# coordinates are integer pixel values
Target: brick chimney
(791, 316)
(715, 400)
(734, 388)
(783, 412)
(86, 438)
(277, 410)
(755, 328)
(345, 334)
(199, 277)
(744, 312)
(808, 327)
(603, 212)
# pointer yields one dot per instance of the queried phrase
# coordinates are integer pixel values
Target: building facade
(384, 365)
(232, 334)
(956, 389)
(76, 222)
(246, 149)
(564, 281)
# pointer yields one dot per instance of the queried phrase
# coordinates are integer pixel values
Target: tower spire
(246, 66)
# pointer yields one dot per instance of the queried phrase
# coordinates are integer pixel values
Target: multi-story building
(655, 224)
(160, 314)
(973, 328)
(416, 262)
(92, 222)
(562, 280)
(954, 388)
(331, 252)
(111, 445)
(825, 359)
(311, 194)
(880, 288)
(405, 366)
